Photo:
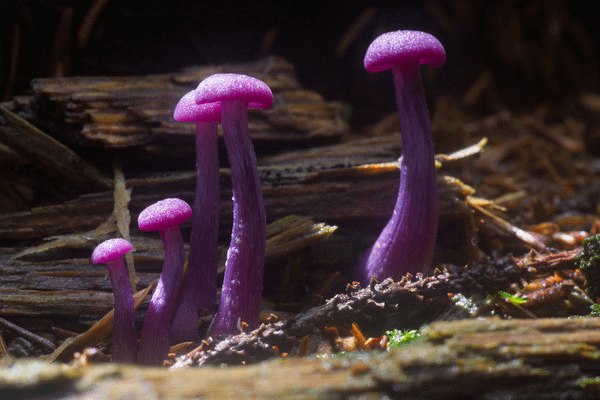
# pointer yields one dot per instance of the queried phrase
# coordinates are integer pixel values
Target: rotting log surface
(48, 153)
(127, 112)
(474, 359)
(331, 194)
(66, 132)
(73, 289)
(33, 283)
(376, 309)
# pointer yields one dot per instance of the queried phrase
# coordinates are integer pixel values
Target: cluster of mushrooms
(404, 246)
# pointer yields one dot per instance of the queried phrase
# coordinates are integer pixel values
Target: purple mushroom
(406, 243)
(199, 288)
(242, 287)
(124, 347)
(164, 216)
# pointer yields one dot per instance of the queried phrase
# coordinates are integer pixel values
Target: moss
(594, 312)
(588, 382)
(398, 337)
(512, 298)
(589, 263)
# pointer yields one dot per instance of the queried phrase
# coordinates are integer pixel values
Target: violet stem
(406, 243)
(154, 345)
(124, 338)
(199, 287)
(242, 286)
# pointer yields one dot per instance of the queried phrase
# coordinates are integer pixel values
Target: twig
(99, 331)
(85, 30)
(122, 196)
(28, 335)
(60, 64)
(521, 234)
(352, 32)
(267, 42)
(14, 62)
(3, 349)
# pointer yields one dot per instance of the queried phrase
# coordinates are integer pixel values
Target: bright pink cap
(188, 110)
(164, 214)
(109, 250)
(232, 87)
(400, 47)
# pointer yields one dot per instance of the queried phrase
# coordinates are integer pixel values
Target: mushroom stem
(242, 284)
(124, 337)
(199, 287)
(124, 343)
(406, 243)
(154, 345)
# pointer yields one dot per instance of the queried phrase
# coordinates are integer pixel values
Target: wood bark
(475, 359)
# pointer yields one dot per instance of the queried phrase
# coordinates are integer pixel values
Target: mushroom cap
(109, 250)
(164, 214)
(400, 47)
(232, 87)
(188, 110)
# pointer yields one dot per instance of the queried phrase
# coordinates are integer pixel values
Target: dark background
(534, 50)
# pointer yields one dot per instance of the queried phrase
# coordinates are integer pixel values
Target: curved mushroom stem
(124, 347)
(406, 243)
(243, 281)
(154, 345)
(199, 287)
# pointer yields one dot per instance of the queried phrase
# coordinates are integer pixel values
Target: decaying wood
(334, 196)
(410, 303)
(37, 285)
(48, 153)
(475, 359)
(47, 344)
(331, 190)
(126, 112)
(72, 288)
(101, 118)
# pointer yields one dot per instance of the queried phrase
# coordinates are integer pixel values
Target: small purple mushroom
(199, 288)
(242, 287)
(164, 216)
(406, 243)
(124, 347)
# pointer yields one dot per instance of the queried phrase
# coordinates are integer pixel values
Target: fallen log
(475, 359)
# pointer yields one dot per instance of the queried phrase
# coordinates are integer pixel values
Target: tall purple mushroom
(199, 288)
(124, 347)
(406, 243)
(164, 216)
(242, 285)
